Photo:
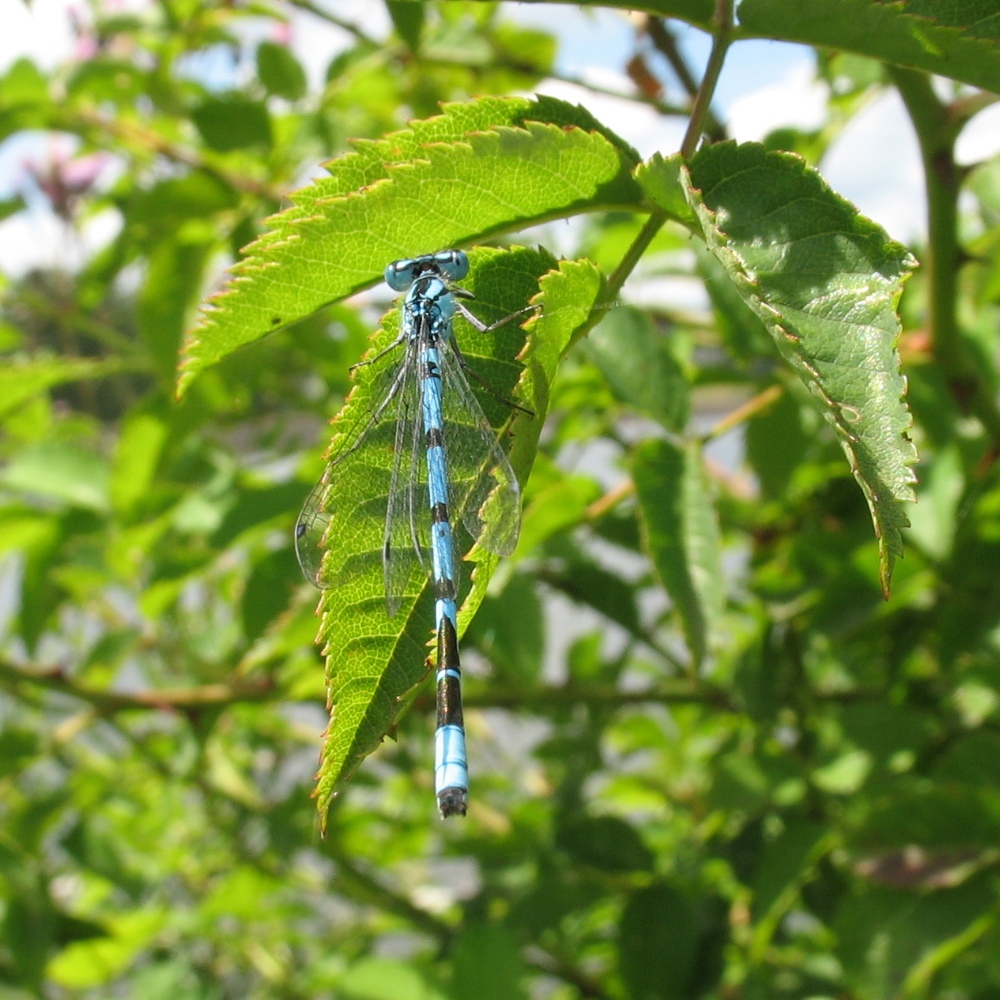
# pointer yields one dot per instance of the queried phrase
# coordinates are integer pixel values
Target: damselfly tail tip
(453, 802)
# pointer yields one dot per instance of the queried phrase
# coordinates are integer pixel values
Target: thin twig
(666, 44)
(109, 702)
(149, 140)
(662, 107)
(610, 500)
(670, 691)
(362, 886)
(757, 404)
(337, 22)
(701, 112)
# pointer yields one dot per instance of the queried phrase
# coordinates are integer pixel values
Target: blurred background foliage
(815, 812)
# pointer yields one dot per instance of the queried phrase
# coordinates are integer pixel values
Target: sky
(874, 163)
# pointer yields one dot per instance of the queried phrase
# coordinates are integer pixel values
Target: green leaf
(658, 944)
(479, 169)
(232, 122)
(664, 183)
(108, 79)
(636, 362)
(268, 591)
(967, 619)
(958, 39)
(136, 459)
(86, 964)
(28, 930)
(488, 963)
(22, 381)
(373, 662)
(155, 214)
(681, 535)
(386, 979)
(18, 749)
(973, 760)
(935, 816)
(786, 865)
(589, 583)
(23, 83)
(509, 631)
(11, 206)
(825, 281)
(607, 843)
(173, 281)
(891, 942)
(63, 472)
(740, 328)
(408, 20)
(777, 441)
(280, 72)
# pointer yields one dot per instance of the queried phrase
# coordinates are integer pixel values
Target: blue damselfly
(446, 463)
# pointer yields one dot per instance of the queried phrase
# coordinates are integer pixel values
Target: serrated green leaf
(681, 535)
(479, 169)
(956, 39)
(825, 281)
(374, 662)
(661, 179)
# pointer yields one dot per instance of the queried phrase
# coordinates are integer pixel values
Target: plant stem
(937, 126)
(656, 219)
(147, 140)
(670, 691)
(701, 111)
(109, 702)
(666, 44)
(757, 404)
(339, 22)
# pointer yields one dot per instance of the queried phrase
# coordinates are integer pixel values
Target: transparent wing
(485, 493)
(405, 539)
(341, 531)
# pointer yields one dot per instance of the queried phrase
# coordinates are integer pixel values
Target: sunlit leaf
(825, 281)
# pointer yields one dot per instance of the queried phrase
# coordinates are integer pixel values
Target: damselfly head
(452, 265)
